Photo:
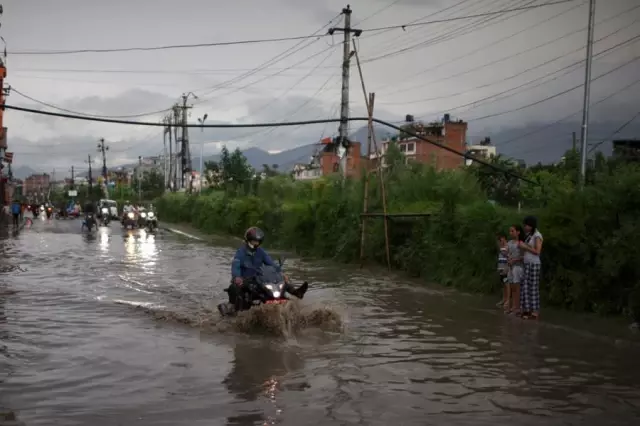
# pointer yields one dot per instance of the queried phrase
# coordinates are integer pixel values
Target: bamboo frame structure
(371, 139)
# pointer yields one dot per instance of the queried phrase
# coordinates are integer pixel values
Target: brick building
(447, 132)
(327, 162)
(36, 183)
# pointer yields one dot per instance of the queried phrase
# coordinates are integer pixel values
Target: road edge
(182, 233)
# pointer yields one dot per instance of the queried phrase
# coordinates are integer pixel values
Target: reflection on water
(256, 374)
(410, 355)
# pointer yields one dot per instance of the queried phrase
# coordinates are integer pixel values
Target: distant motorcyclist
(248, 262)
(89, 207)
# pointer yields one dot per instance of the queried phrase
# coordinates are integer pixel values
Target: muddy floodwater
(75, 350)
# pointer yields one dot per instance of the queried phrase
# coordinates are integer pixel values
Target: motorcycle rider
(89, 208)
(248, 261)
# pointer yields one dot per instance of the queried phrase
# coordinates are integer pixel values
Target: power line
(450, 35)
(273, 40)
(525, 71)
(504, 58)
(538, 130)
(13, 89)
(618, 130)
(492, 44)
(273, 124)
(514, 90)
(548, 98)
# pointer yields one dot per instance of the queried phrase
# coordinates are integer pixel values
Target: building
(482, 150)
(452, 134)
(326, 162)
(627, 149)
(6, 186)
(36, 184)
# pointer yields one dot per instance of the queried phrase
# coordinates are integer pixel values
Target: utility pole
(176, 115)
(73, 177)
(185, 151)
(343, 130)
(587, 93)
(201, 121)
(165, 173)
(90, 175)
(139, 179)
(103, 149)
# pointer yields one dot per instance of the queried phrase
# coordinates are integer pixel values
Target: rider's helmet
(254, 237)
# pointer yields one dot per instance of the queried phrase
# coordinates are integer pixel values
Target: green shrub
(589, 257)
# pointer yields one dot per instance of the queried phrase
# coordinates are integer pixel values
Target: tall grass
(590, 261)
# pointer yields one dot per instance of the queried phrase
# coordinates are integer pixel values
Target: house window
(403, 147)
(411, 147)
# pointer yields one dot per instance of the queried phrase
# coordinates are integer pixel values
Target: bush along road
(589, 258)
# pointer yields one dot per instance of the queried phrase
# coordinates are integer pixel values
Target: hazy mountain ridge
(533, 143)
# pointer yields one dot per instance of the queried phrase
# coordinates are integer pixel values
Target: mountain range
(534, 143)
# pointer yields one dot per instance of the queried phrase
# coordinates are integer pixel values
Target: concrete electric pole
(587, 94)
(186, 149)
(90, 176)
(139, 179)
(201, 121)
(343, 130)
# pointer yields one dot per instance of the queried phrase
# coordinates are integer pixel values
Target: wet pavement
(75, 351)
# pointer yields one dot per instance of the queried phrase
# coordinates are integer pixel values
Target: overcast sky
(425, 70)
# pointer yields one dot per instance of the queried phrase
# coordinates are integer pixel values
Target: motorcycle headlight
(269, 287)
(143, 214)
(151, 214)
(276, 294)
(105, 210)
(130, 215)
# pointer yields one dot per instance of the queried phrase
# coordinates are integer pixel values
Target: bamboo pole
(369, 103)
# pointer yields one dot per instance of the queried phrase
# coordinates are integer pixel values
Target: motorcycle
(129, 219)
(49, 212)
(151, 221)
(104, 216)
(268, 288)
(89, 222)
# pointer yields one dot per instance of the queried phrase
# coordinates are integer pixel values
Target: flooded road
(75, 351)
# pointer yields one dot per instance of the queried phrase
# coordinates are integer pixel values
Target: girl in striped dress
(530, 291)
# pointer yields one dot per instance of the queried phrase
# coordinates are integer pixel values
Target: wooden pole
(369, 103)
(365, 207)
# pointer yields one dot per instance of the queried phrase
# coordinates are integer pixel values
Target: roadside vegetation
(590, 261)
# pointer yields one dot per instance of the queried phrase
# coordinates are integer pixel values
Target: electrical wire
(273, 124)
(492, 44)
(451, 35)
(548, 98)
(504, 58)
(515, 90)
(377, 12)
(13, 89)
(446, 12)
(618, 130)
(518, 74)
(591, 104)
(271, 40)
(278, 58)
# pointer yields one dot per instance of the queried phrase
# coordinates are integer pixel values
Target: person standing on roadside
(532, 248)
(516, 269)
(503, 269)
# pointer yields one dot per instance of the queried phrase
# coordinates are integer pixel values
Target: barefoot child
(503, 268)
(516, 271)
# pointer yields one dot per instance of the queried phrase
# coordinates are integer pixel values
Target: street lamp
(201, 121)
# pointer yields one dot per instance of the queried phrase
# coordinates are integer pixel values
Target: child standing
(516, 269)
(503, 268)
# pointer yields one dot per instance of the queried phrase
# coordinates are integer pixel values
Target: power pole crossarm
(343, 130)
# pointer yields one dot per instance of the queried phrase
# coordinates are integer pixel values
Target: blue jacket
(16, 208)
(247, 263)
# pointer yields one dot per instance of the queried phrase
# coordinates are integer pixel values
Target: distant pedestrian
(16, 211)
(530, 291)
(503, 268)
